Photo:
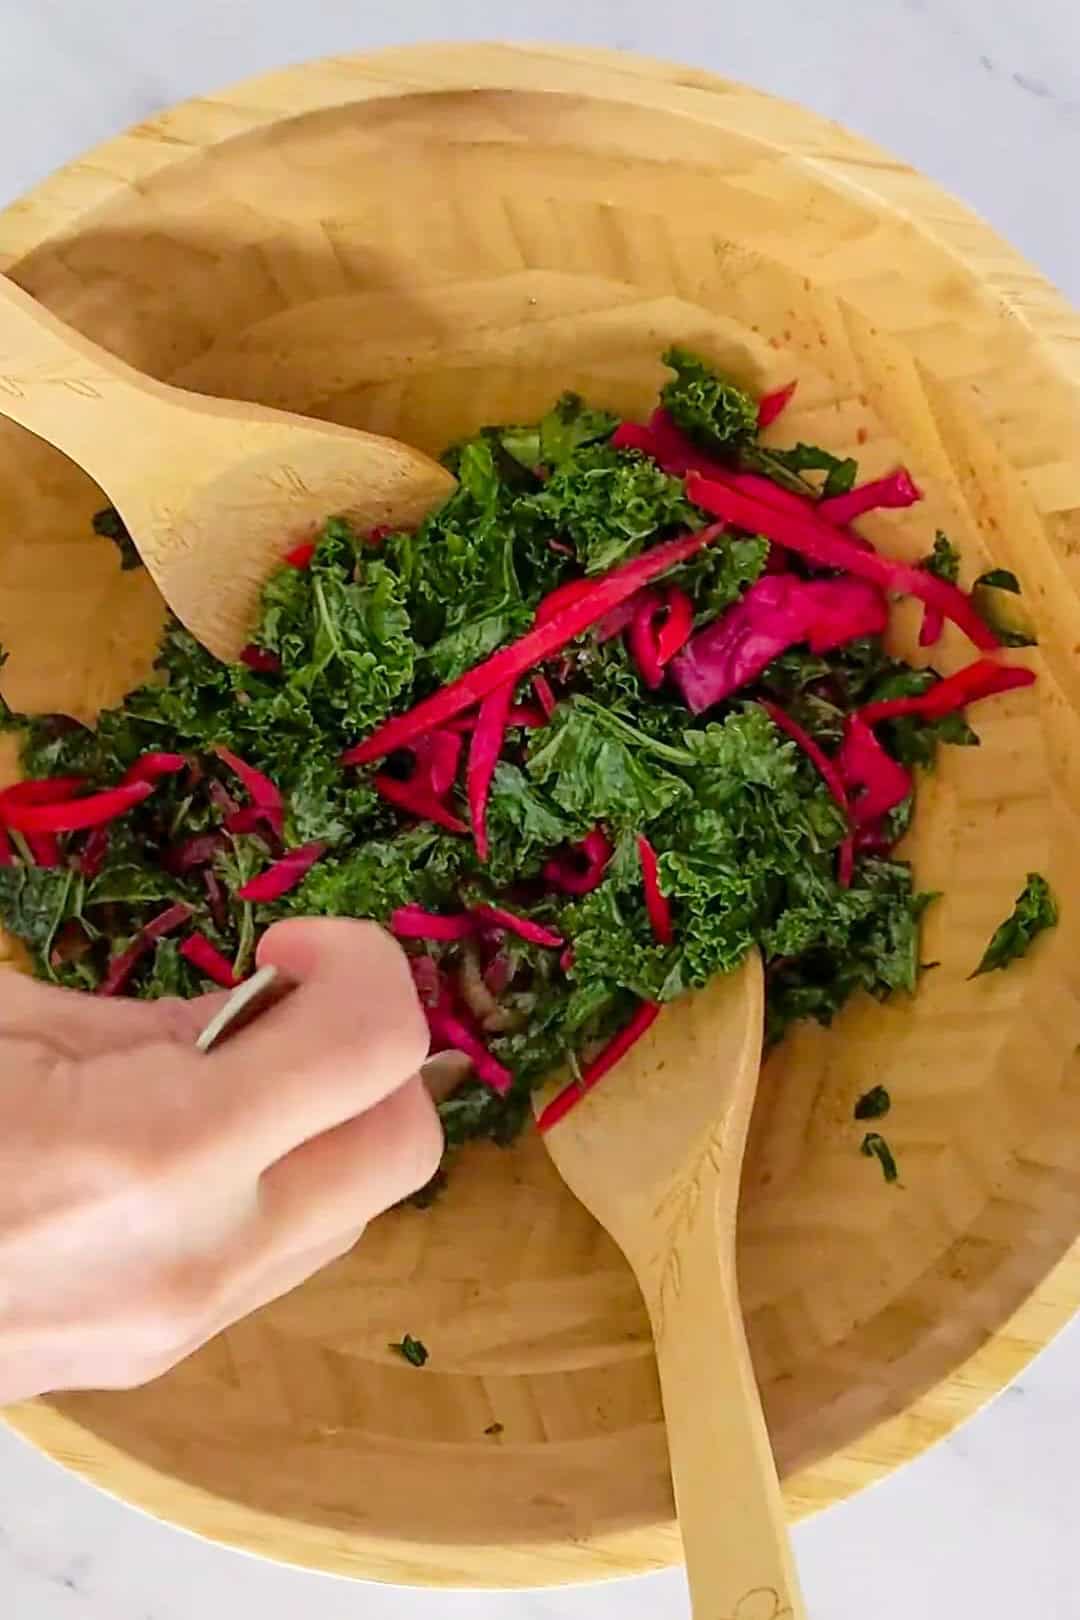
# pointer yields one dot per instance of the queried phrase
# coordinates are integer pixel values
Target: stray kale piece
(110, 525)
(414, 1351)
(1034, 912)
(785, 467)
(610, 504)
(873, 1104)
(875, 1146)
(713, 411)
(996, 598)
(944, 560)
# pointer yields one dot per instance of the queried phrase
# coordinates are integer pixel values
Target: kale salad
(618, 713)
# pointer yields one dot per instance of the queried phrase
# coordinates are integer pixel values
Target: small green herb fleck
(414, 1351)
(873, 1104)
(1034, 912)
(944, 560)
(874, 1146)
(996, 598)
(110, 525)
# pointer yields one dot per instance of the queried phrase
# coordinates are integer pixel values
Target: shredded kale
(944, 560)
(714, 411)
(111, 526)
(1035, 911)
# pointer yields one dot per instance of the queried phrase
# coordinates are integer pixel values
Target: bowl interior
(419, 264)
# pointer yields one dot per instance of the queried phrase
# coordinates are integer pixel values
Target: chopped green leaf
(996, 597)
(714, 411)
(785, 467)
(873, 1104)
(944, 560)
(1034, 912)
(875, 1146)
(414, 1351)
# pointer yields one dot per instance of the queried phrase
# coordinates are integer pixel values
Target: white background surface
(984, 95)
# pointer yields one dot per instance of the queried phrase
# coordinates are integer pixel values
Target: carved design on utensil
(678, 1210)
(763, 1603)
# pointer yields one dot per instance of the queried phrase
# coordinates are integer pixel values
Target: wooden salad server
(212, 491)
(655, 1153)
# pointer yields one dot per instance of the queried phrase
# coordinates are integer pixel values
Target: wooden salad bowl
(425, 240)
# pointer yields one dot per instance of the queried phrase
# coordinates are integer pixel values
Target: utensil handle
(731, 1514)
(64, 388)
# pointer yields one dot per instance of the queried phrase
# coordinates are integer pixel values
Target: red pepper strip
(876, 782)
(614, 623)
(770, 406)
(642, 639)
(448, 1028)
(566, 960)
(822, 544)
(523, 927)
(461, 723)
(561, 1105)
(827, 767)
(416, 800)
(561, 597)
(676, 628)
(898, 489)
(151, 767)
(527, 714)
(656, 901)
(580, 869)
(632, 436)
(123, 965)
(413, 922)
(830, 775)
(49, 790)
(982, 679)
(76, 814)
(283, 876)
(300, 556)
(544, 695)
(208, 960)
(510, 663)
(7, 854)
(44, 848)
(437, 758)
(933, 623)
(261, 661)
(485, 746)
(680, 456)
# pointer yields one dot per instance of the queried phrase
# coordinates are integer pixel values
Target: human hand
(151, 1195)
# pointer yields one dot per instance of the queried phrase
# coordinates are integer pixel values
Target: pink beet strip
(676, 629)
(875, 782)
(897, 489)
(417, 800)
(772, 405)
(510, 663)
(208, 960)
(830, 775)
(413, 922)
(123, 965)
(523, 927)
(822, 544)
(49, 790)
(680, 456)
(642, 638)
(485, 747)
(656, 901)
(560, 1106)
(529, 715)
(437, 758)
(283, 876)
(44, 847)
(265, 795)
(933, 623)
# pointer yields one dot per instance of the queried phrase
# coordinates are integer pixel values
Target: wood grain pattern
(418, 242)
(656, 1154)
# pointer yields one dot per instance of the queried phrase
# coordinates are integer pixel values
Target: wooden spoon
(212, 491)
(655, 1153)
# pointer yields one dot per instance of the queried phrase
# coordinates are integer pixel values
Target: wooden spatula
(213, 492)
(655, 1153)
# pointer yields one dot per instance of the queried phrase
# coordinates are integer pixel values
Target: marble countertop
(983, 1524)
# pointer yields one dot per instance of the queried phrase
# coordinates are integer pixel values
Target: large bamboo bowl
(424, 240)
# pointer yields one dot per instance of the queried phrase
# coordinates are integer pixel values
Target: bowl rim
(58, 204)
